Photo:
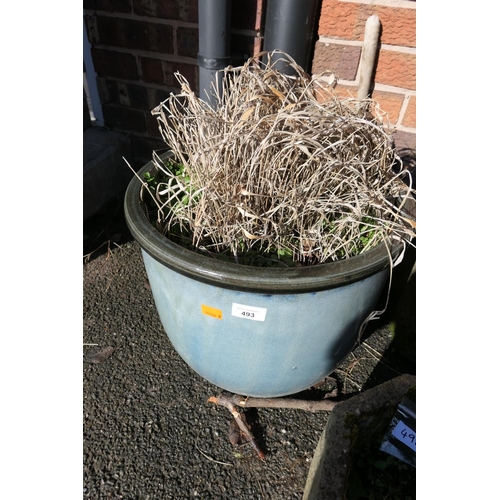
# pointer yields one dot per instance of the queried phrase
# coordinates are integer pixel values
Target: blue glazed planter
(260, 332)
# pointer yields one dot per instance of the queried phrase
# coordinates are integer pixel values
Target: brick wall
(137, 45)
(338, 49)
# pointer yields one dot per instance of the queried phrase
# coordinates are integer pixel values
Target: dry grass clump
(273, 171)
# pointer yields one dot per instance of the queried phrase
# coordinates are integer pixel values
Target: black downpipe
(290, 26)
(214, 37)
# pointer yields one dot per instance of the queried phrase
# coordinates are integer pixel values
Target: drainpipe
(214, 36)
(290, 26)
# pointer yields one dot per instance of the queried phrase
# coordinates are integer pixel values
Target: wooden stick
(300, 404)
(368, 55)
(221, 400)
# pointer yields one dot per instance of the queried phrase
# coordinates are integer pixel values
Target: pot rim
(265, 280)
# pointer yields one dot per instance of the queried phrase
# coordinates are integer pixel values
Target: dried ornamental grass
(273, 174)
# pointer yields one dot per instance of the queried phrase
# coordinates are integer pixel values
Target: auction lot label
(249, 312)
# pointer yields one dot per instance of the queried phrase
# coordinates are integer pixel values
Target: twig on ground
(350, 368)
(379, 357)
(223, 401)
(108, 242)
(350, 380)
(208, 457)
(348, 371)
(377, 354)
(261, 489)
(300, 404)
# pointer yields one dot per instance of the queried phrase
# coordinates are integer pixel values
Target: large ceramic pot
(261, 332)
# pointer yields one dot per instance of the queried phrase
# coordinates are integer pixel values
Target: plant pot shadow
(258, 431)
(106, 229)
(398, 322)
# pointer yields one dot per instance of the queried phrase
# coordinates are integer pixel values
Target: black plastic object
(214, 32)
(290, 27)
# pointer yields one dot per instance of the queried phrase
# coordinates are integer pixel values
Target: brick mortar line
(135, 17)
(355, 43)
(175, 46)
(402, 128)
(399, 48)
(378, 86)
(382, 87)
(169, 22)
(338, 41)
(156, 86)
(402, 111)
(146, 53)
(403, 4)
(138, 64)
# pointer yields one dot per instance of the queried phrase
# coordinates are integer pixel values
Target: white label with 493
(249, 312)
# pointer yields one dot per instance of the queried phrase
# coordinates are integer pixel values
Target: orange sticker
(211, 311)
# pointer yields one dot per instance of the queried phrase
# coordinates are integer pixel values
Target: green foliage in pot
(281, 172)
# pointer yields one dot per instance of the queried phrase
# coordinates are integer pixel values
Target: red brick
(347, 20)
(340, 59)
(162, 72)
(389, 103)
(338, 92)
(258, 44)
(124, 6)
(324, 93)
(341, 20)
(125, 119)
(110, 31)
(178, 10)
(398, 26)
(139, 35)
(147, 8)
(128, 94)
(344, 91)
(152, 70)
(397, 69)
(115, 64)
(410, 116)
(187, 42)
(188, 71)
